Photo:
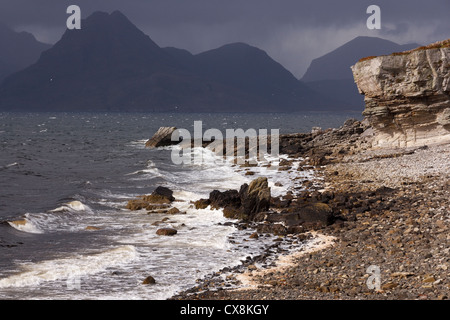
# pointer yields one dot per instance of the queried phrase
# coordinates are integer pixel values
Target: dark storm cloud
(291, 31)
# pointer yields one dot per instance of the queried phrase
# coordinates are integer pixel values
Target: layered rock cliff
(407, 96)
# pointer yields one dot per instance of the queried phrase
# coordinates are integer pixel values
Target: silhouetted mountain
(110, 65)
(182, 56)
(252, 70)
(107, 65)
(331, 76)
(18, 50)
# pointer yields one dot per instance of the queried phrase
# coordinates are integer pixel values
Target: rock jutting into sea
(244, 204)
(407, 96)
(159, 201)
(162, 138)
(253, 203)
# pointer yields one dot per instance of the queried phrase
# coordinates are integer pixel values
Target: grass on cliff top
(436, 45)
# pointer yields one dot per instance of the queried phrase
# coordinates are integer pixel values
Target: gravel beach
(395, 206)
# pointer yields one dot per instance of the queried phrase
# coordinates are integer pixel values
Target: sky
(293, 32)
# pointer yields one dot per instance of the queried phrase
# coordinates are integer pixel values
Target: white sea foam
(139, 144)
(12, 165)
(151, 172)
(25, 226)
(72, 206)
(201, 245)
(72, 216)
(69, 268)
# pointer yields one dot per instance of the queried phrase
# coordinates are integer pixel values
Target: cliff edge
(407, 96)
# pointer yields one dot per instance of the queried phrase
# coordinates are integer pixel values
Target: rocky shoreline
(394, 209)
(380, 210)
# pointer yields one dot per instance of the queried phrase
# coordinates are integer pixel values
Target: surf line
(234, 147)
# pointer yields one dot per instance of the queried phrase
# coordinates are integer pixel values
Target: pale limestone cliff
(407, 96)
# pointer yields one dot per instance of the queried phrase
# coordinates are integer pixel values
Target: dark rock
(254, 235)
(231, 212)
(160, 197)
(173, 211)
(300, 219)
(220, 199)
(164, 192)
(255, 197)
(202, 203)
(317, 212)
(149, 280)
(166, 232)
(250, 200)
(278, 203)
(274, 228)
(137, 204)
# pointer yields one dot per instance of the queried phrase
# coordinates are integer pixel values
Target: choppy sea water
(61, 173)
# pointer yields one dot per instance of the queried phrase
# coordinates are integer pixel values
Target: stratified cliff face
(407, 95)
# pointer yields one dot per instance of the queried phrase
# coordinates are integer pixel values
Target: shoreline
(395, 203)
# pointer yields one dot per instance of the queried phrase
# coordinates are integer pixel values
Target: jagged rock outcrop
(244, 204)
(407, 96)
(162, 138)
(160, 199)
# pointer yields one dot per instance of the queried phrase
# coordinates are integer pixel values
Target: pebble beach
(397, 218)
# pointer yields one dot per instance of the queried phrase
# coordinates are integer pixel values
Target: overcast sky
(293, 32)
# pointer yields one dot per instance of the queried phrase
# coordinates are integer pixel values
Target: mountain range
(18, 50)
(111, 65)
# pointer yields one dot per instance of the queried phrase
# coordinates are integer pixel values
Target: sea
(61, 173)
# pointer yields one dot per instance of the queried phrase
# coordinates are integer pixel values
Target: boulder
(255, 197)
(173, 211)
(162, 138)
(137, 204)
(312, 216)
(166, 232)
(223, 199)
(161, 196)
(245, 203)
(149, 280)
(202, 203)
(164, 192)
(316, 216)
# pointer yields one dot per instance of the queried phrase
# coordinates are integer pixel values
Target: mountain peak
(239, 48)
(101, 27)
(238, 45)
(108, 19)
(17, 50)
(118, 14)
